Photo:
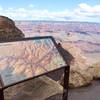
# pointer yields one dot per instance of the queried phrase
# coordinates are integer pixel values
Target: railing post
(1, 94)
(66, 82)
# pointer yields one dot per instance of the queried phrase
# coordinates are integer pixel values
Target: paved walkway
(91, 92)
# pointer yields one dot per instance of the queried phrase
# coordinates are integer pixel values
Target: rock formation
(79, 66)
(95, 70)
(8, 30)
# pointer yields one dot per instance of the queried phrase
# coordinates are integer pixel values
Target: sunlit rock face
(95, 70)
(79, 66)
(8, 30)
(80, 61)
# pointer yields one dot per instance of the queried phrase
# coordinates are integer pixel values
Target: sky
(54, 10)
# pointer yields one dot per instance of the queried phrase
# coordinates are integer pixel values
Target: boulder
(78, 67)
(8, 30)
(78, 78)
(95, 70)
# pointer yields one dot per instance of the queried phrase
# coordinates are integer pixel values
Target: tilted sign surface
(25, 59)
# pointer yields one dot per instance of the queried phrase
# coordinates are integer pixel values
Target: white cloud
(87, 10)
(83, 12)
(35, 14)
(85, 7)
(90, 9)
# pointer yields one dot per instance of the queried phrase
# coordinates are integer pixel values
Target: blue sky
(59, 10)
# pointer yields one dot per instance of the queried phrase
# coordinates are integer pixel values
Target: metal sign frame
(66, 68)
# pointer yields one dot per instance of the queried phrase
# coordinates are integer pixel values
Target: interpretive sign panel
(27, 58)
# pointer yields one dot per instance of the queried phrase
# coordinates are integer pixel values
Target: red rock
(8, 30)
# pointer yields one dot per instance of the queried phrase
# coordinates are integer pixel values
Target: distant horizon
(52, 10)
(59, 21)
